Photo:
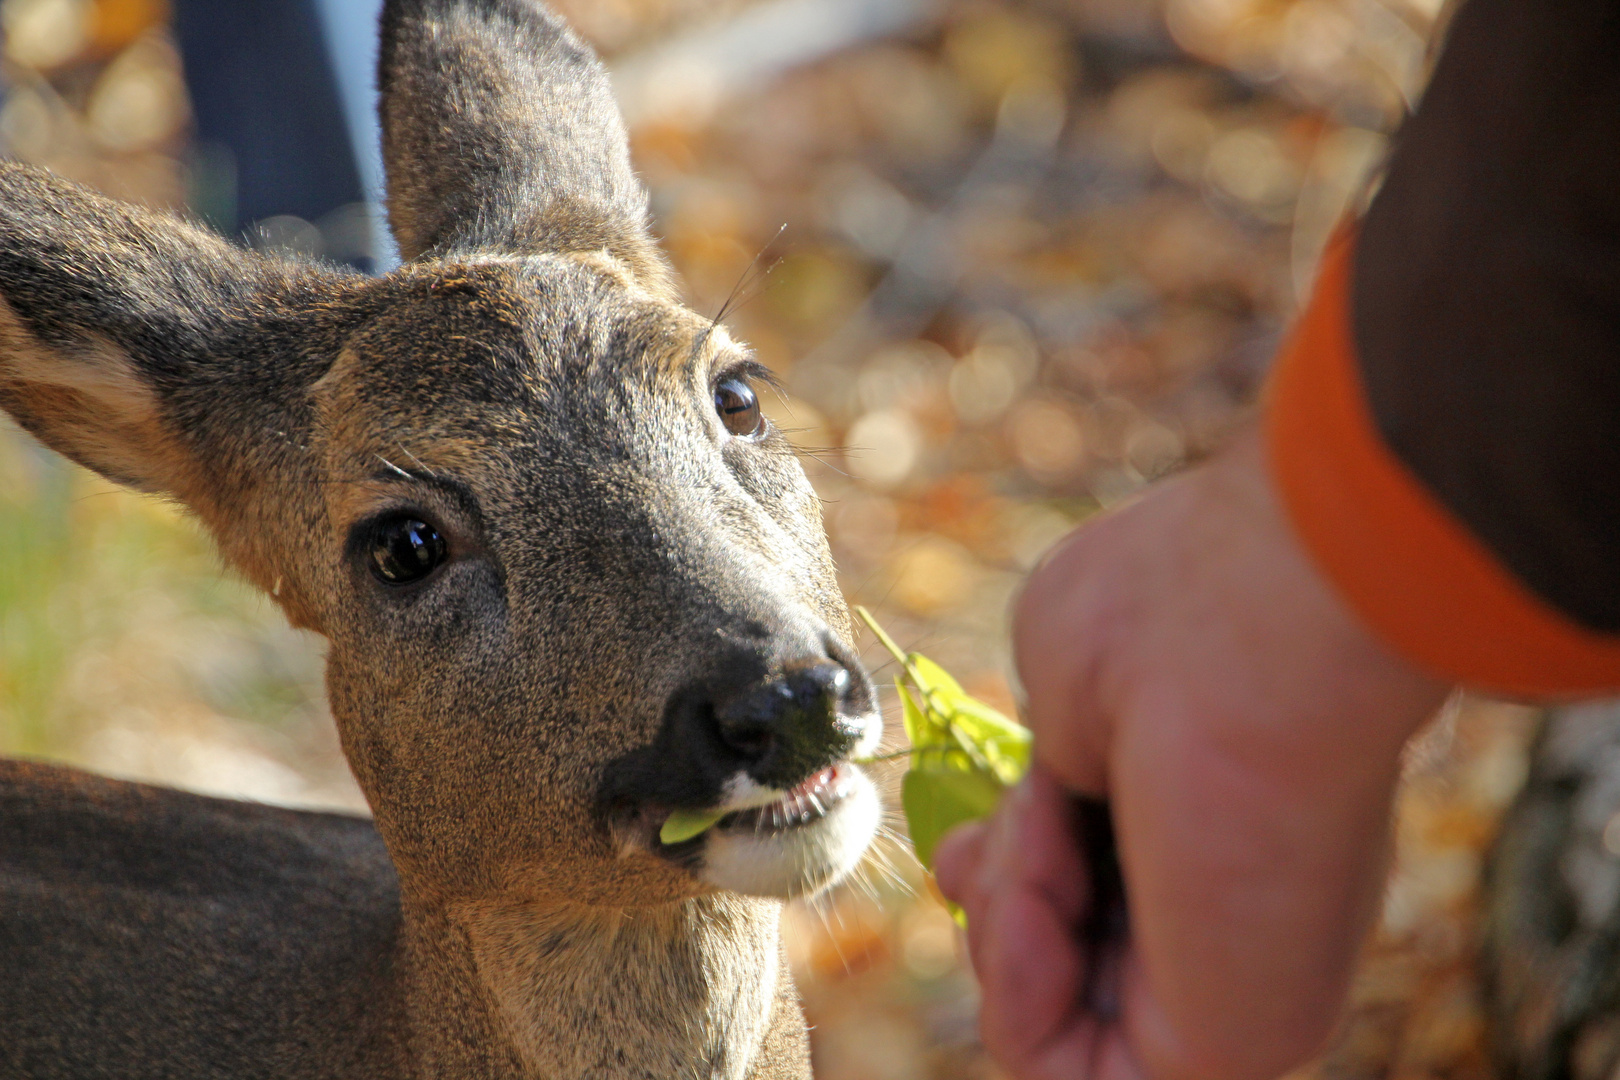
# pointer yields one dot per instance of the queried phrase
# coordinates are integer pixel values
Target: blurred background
(1026, 256)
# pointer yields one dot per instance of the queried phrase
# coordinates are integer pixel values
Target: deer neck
(684, 990)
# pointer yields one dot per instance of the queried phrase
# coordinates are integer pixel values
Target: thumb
(1059, 636)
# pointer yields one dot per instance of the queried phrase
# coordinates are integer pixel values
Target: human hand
(1183, 658)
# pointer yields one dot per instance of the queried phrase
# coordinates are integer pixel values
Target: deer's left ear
(112, 322)
(85, 400)
(164, 358)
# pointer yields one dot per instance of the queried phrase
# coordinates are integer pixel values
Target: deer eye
(405, 549)
(734, 400)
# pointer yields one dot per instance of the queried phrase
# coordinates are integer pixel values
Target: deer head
(571, 578)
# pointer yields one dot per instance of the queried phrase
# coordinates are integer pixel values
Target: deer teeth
(806, 802)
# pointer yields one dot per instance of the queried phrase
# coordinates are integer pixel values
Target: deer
(570, 577)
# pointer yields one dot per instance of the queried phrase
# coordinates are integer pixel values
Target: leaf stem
(889, 643)
(879, 758)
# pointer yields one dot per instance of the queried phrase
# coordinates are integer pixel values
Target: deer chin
(784, 844)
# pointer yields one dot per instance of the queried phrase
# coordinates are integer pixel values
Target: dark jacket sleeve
(1445, 425)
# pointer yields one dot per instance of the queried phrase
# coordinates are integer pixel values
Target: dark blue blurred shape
(276, 158)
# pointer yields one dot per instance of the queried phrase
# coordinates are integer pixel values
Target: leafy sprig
(964, 754)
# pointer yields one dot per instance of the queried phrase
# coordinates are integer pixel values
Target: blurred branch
(690, 75)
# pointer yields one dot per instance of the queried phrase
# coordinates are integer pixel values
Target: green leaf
(923, 727)
(930, 676)
(973, 713)
(937, 801)
(943, 757)
(963, 752)
(916, 724)
(683, 825)
(1005, 745)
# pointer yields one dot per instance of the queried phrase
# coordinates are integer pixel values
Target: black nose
(790, 726)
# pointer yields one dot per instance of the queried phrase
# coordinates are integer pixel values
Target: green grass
(111, 600)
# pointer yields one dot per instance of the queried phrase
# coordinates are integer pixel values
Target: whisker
(824, 462)
(891, 877)
(757, 288)
(860, 881)
(745, 279)
(413, 457)
(818, 906)
(838, 913)
(394, 467)
(886, 866)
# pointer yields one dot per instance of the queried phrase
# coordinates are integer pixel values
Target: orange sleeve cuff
(1403, 561)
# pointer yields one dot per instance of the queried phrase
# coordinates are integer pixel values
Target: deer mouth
(761, 839)
(789, 843)
(804, 804)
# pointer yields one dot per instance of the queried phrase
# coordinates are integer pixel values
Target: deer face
(572, 581)
(575, 593)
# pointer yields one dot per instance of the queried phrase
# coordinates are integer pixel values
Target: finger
(1048, 848)
(1030, 968)
(1028, 842)
(1030, 962)
(956, 864)
(996, 872)
(1086, 1050)
(1032, 1021)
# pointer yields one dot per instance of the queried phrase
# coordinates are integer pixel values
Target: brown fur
(528, 383)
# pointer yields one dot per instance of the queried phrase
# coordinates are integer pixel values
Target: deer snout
(803, 719)
(764, 740)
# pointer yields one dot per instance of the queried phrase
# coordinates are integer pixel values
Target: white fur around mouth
(786, 844)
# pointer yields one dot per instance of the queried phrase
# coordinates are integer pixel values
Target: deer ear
(85, 400)
(500, 133)
(165, 358)
(110, 322)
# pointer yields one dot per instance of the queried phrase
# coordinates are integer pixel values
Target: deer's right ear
(500, 133)
(111, 320)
